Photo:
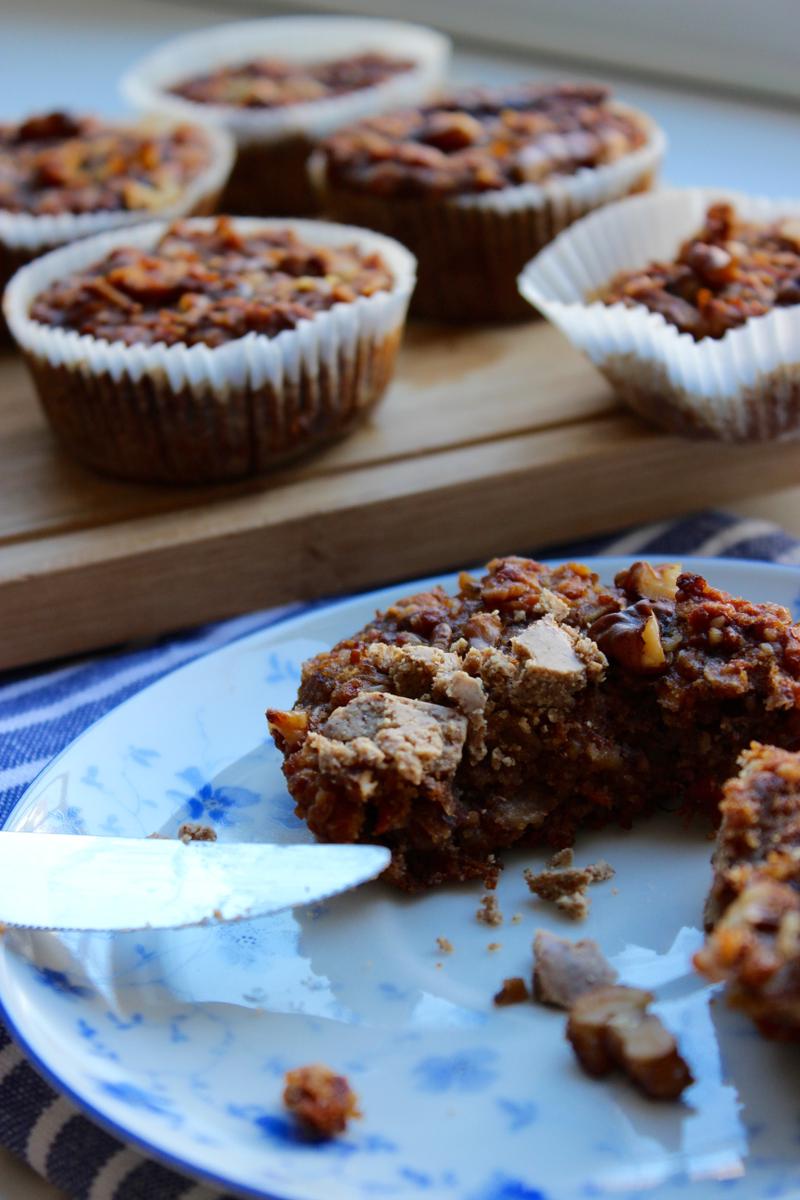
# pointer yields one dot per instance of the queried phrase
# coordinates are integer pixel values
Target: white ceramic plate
(179, 1041)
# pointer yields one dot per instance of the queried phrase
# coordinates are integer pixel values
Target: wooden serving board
(489, 441)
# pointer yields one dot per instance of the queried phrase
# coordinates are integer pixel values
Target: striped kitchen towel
(42, 711)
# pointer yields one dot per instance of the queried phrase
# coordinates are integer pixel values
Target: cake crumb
(513, 991)
(190, 831)
(575, 906)
(489, 910)
(600, 871)
(445, 945)
(321, 1101)
(516, 919)
(564, 970)
(612, 1027)
(565, 885)
(494, 946)
(562, 858)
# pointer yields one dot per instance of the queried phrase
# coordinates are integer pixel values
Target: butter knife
(68, 882)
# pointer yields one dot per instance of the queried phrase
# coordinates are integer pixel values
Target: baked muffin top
(59, 163)
(209, 285)
(728, 271)
(482, 140)
(276, 82)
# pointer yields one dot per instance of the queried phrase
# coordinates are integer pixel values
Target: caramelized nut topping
(209, 286)
(482, 140)
(276, 82)
(59, 163)
(729, 271)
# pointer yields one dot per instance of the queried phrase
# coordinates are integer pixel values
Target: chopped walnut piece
(564, 970)
(489, 910)
(611, 1027)
(513, 991)
(321, 1101)
(445, 945)
(190, 831)
(650, 582)
(288, 728)
(632, 637)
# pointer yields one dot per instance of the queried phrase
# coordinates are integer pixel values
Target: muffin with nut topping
(210, 349)
(688, 301)
(280, 84)
(478, 183)
(65, 176)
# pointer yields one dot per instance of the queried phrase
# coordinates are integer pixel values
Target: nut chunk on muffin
(64, 176)
(753, 909)
(533, 703)
(727, 272)
(476, 184)
(211, 350)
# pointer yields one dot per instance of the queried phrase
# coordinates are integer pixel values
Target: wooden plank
(453, 387)
(375, 523)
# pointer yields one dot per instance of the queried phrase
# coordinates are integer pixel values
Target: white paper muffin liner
(28, 234)
(741, 387)
(194, 413)
(301, 39)
(471, 248)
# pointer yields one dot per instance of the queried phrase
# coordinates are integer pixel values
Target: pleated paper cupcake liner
(192, 414)
(471, 249)
(274, 143)
(744, 386)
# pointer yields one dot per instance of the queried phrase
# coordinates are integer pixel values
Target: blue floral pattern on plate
(180, 1040)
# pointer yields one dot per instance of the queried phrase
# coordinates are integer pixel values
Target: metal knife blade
(64, 881)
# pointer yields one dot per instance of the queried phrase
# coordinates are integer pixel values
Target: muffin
(477, 184)
(64, 177)
(532, 704)
(279, 85)
(207, 349)
(689, 303)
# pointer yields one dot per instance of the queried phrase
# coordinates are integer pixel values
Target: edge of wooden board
(78, 591)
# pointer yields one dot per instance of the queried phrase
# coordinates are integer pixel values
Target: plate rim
(182, 1165)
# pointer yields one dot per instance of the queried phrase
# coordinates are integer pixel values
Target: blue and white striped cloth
(42, 712)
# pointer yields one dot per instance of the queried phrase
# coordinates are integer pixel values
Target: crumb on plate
(321, 1101)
